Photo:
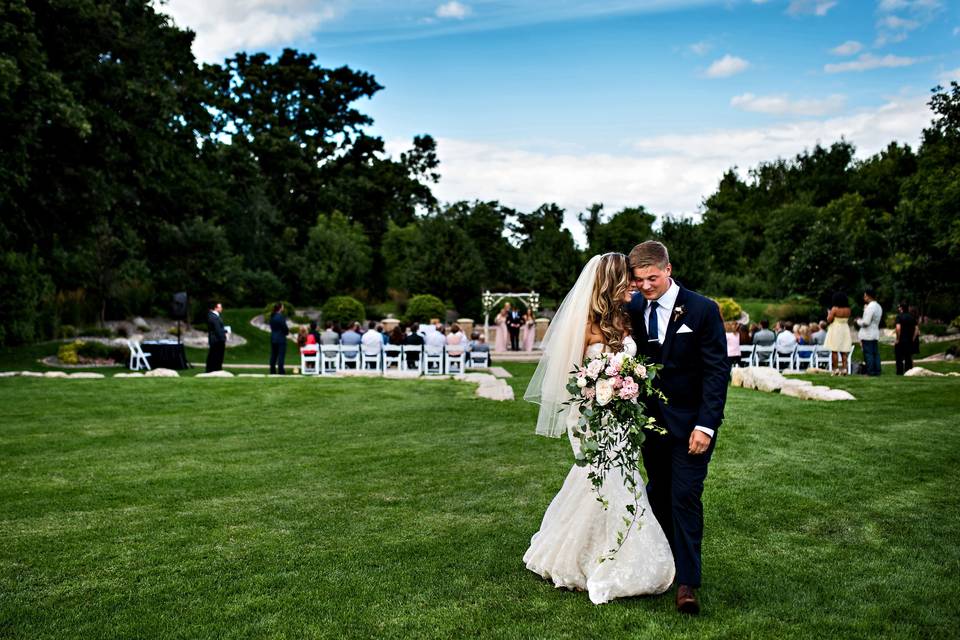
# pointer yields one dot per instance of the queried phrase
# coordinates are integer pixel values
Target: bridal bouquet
(607, 392)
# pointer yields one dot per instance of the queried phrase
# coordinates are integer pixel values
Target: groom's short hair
(649, 254)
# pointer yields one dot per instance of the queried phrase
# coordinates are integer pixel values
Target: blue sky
(618, 102)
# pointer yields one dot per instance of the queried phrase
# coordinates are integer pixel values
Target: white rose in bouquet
(581, 382)
(604, 391)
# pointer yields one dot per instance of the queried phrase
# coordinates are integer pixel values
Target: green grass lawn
(359, 508)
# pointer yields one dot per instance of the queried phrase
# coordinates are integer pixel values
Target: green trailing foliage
(344, 310)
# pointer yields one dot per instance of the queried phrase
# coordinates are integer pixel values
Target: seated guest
(371, 340)
(764, 337)
(820, 335)
(479, 345)
(456, 341)
(786, 341)
(351, 338)
(311, 345)
(329, 336)
(314, 331)
(746, 337)
(397, 335)
(384, 336)
(435, 340)
(733, 342)
(302, 336)
(413, 338)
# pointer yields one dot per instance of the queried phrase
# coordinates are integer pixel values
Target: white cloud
(815, 7)
(224, 27)
(897, 23)
(951, 75)
(869, 61)
(700, 48)
(848, 48)
(454, 10)
(669, 173)
(727, 66)
(783, 105)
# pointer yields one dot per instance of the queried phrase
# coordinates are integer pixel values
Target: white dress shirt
(372, 341)
(664, 311)
(786, 341)
(870, 322)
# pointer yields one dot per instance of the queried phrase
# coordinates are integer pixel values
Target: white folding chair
(138, 359)
(392, 356)
(763, 356)
(433, 360)
(370, 356)
(853, 348)
(310, 362)
(329, 358)
(454, 362)
(805, 355)
(349, 355)
(478, 360)
(781, 358)
(821, 358)
(412, 357)
(746, 355)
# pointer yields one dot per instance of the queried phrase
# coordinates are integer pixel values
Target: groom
(683, 331)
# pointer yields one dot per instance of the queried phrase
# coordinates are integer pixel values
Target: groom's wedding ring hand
(699, 443)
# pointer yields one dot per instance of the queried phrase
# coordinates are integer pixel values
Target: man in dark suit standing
(216, 337)
(514, 322)
(683, 331)
(278, 339)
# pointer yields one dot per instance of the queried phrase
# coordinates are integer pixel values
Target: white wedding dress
(576, 531)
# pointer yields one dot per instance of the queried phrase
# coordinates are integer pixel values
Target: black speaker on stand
(178, 309)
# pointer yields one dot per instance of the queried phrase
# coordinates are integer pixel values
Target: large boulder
(8, 374)
(55, 374)
(31, 374)
(86, 375)
(162, 373)
(922, 373)
(215, 374)
(767, 379)
(133, 374)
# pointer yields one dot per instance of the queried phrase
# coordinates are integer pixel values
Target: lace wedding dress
(576, 531)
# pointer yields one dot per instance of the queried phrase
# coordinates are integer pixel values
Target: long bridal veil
(562, 350)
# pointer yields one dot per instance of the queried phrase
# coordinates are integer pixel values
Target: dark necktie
(653, 331)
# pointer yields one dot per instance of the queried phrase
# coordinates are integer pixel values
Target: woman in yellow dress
(839, 340)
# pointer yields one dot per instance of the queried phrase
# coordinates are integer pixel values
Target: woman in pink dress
(528, 331)
(502, 335)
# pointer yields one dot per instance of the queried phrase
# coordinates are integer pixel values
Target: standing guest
(764, 337)
(351, 338)
(397, 335)
(502, 336)
(415, 339)
(820, 335)
(733, 342)
(869, 333)
(907, 332)
(529, 330)
(514, 322)
(839, 341)
(329, 336)
(278, 339)
(216, 337)
(456, 341)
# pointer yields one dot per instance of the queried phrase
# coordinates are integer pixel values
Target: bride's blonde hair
(607, 311)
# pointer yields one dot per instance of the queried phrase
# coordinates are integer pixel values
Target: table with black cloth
(166, 355)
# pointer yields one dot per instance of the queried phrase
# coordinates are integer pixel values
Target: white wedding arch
(491, 300)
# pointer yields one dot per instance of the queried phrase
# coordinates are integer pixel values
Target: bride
(576, 530)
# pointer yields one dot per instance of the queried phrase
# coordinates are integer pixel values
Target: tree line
(129, 172)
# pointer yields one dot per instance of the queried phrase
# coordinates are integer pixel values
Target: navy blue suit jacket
(278, 329)
(695, 369)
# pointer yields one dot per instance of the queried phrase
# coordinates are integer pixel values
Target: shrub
(343, 309)
(797, 309)
(68, 331)
(288, 309)
(302, 319)
(68, 352)
(122, 331)
(955, 322)
(101, 351)
(174, 331)
(933, 329)
(729, 309)
(424, 307)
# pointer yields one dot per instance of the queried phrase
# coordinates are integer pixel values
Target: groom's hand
(699, 442)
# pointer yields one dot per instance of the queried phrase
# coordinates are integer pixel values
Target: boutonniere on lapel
(678, 312)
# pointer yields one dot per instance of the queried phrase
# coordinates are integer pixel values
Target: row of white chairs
(332, 358)
(798, 358)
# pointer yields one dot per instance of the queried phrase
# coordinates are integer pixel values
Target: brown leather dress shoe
(687, 600)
